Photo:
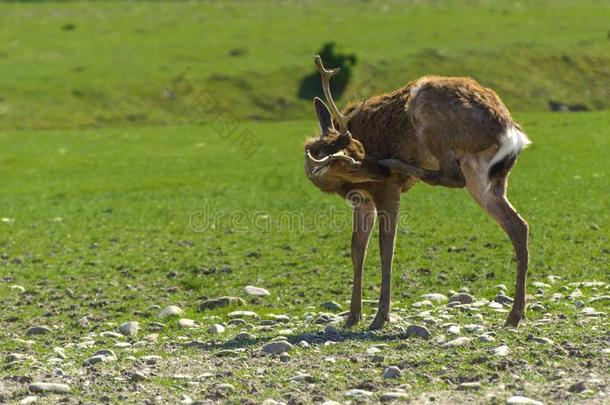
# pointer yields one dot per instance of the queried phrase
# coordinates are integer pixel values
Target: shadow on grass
(312, 339)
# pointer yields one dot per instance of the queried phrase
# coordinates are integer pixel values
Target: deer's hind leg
(491, 195)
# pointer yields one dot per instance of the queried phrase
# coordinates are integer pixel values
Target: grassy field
(151, 155)
(109, 223)
(76, 64)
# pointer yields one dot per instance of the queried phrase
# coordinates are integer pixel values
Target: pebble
(392, 372)
(577, 387)
(302, 377)
(30, 399)
(130, 328)
(421, 304)
(151, 359)
(502, 351)
(220, 302)
(98, 359)
(475, 386)
(503, 298)
(462, 298)
(49, 387)
(38, 330)
(474, 328)
(576, 294)
(435, 297)
(536, 306)
(590, 311)
(172, 310)
(111, 334)
(224, 387)
(137, 376)
(104, 352)
(519, 400)
(486, 338)
(418, 330)
(540, 284)
(461, 341)
(331, 306)
(243, 336)
(256, 291)
(357, 393)
(394, 396)
(185, 323)
(495, 305)
(276, 347)
(454, 330)
(82, 322)
(501, 287)
(243, 314)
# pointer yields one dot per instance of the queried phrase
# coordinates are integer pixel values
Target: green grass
(108, 214)
(116, 62)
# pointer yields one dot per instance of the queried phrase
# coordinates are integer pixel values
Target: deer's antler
(326, 75)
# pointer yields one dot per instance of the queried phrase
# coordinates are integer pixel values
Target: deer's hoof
(514, 317)
(378, 322)
(352, 320)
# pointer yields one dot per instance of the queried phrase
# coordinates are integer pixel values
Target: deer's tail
(512, 143)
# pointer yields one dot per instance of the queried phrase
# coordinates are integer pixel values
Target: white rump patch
(513, 141)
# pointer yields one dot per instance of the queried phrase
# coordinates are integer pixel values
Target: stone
(536, 306)
(454, 330)
(104, 352)
(220, 302)
(486, 338)
(461, 341)
(419, 331)
(473, 386)
(502, 351)
(49, 387)
(224, 387)
(216, 329)
(435, 297)
(474, 328)
(243, 336)
(302, 377)
(519, 400)
(422, 304)
(98, 359)
(172, 310)
(30, 399)
(331, 306)
(578, 387)
(462, 298)
(38, 330)
(357, 393)
(130, 328)
(276, 347)
(392, 372)
(185, 323)
(394, 396)
(243, 314)
(137, 376)
(256, 291)
(503, 298)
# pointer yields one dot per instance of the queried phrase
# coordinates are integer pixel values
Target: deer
(442, 131)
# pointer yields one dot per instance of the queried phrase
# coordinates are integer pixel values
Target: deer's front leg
(364, 220)
(388, 205)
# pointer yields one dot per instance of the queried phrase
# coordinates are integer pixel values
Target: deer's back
(430, 117)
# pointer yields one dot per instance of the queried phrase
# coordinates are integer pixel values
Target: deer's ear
(324, 118)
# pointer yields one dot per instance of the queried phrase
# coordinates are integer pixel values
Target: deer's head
(334, 158)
